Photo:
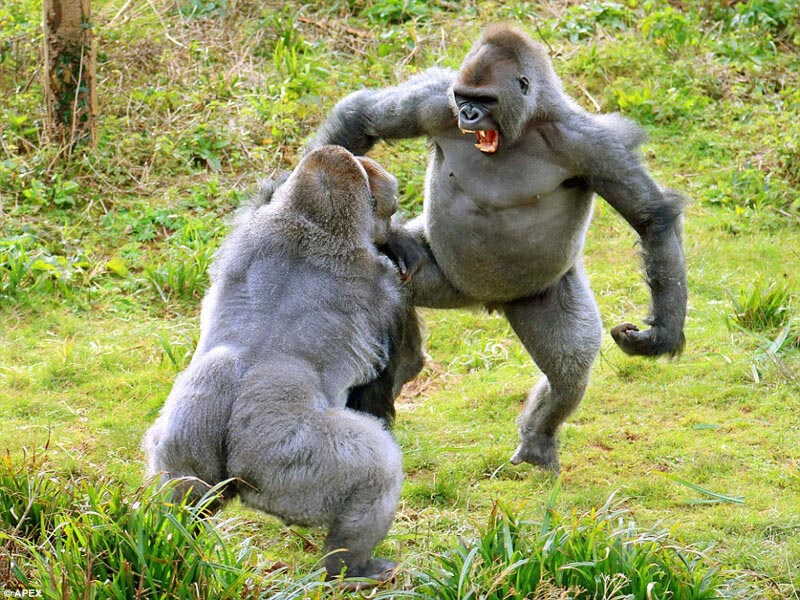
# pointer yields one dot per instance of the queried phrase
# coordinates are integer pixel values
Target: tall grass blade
(714, 497)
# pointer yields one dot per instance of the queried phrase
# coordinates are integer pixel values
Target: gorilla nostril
(469, 113)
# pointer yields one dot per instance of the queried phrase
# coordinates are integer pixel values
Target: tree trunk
(69, 55)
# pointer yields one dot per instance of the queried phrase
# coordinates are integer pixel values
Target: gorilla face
(492, 98)
(475, 116)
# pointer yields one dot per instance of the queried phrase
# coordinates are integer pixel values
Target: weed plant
(29, 499)
(83, 538)
(761, 306)
(182, 276)
(600, 554)
(79, 539)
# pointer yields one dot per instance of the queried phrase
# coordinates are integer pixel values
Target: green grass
(77, 538)
(103, 263)
(600, 554)
(761, 306)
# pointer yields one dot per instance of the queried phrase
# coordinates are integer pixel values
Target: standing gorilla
(301, 310)
(508, 200)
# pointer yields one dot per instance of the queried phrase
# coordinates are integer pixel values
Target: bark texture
(70, 72)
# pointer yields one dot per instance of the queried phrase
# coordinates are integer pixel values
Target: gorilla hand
(651, 342)
(405, 252)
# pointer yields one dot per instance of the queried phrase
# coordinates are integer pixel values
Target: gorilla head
(504, 81)
(340, 194)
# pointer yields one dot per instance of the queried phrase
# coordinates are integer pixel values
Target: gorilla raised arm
(300, 311)
(508, 201)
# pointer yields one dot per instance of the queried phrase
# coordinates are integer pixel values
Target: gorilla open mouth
(488, 139)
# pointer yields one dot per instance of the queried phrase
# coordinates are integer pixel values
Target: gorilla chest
(510, 178)
(504, 230)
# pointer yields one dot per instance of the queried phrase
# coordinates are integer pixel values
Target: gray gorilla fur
(504, 225)
(295, 317)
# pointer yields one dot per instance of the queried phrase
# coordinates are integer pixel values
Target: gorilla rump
(300, 312)
(508, 201)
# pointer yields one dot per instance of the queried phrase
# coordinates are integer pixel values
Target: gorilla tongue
(488, 140)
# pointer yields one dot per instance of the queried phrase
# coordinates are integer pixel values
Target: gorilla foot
(543, 454)
(376, 570)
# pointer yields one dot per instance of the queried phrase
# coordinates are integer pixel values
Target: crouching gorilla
(301, 311)
(508, 199)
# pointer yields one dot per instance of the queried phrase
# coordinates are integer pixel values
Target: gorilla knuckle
(652, 342)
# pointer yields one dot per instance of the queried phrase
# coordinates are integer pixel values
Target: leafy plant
(598, 554)
(397, 11)
(203, 147)
(773, 15)
(203, 8)
(668, 27)
(29, 501)
(62, 193)
(182, 275)
(13, 265)
(25, 132)
(761, 306)
(584, 20)
(70, 539)
(147, 226)
(144, 545)
(26, 266)
(745, 187)
(178, 349)
(635, 100)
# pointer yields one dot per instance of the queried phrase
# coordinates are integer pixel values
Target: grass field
(103, 261)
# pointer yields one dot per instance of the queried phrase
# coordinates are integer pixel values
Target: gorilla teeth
(488, 140)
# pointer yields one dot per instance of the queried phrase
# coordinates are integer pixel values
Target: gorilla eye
(524, 85)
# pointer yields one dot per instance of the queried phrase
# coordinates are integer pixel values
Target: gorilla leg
(188, 438)
(363, 522)
(316, 466)
(562, 331)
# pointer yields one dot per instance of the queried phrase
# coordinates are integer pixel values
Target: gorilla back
(300, 311)
(508, 200)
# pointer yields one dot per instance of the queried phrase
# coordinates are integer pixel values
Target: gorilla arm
(417, 107)
(602, 152)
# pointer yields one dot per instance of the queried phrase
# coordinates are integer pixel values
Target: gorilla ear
(383, 187)
(524, 85)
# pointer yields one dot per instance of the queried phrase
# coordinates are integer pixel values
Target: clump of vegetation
(182, 276)
(26, 265)
(763, 306)
(582, 21)
(598, 554)
(78, 538)
(72, 537)
(29, 501)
